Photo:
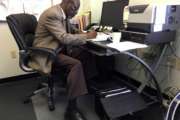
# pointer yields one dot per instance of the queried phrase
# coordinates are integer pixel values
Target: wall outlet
(13, 54)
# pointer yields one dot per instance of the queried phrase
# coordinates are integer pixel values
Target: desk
(108, 47)
(99, 48)
(122, 94)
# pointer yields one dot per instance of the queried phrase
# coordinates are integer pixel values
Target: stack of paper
(127, 45)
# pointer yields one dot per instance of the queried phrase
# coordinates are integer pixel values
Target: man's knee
(77, 62)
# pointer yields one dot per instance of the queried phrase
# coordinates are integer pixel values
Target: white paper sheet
(101, 37)
(127, 45)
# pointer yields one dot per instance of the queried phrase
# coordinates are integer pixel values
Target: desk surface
(107, 48)
(99, 48)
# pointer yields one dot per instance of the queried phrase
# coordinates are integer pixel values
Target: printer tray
(124, 104)
(116, 105)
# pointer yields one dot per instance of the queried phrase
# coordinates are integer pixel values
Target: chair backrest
(23, 28)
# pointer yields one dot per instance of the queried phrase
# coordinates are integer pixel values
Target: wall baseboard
(18, 78)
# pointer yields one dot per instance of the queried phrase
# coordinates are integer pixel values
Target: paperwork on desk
(127, 45)
(101, 37)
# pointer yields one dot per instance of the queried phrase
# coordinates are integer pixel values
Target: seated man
(52, 32)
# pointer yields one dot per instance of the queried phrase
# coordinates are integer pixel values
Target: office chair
(23, 28)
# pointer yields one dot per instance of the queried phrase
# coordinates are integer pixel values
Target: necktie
(68, 29)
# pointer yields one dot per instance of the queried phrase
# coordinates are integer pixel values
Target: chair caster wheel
(51, 107)
(51, 104)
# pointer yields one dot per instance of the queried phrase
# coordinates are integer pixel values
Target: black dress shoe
(74, 114)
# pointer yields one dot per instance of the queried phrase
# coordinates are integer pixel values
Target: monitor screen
(112, 14)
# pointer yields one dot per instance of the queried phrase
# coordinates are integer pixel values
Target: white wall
(9, 60)
(85, 6)
(96, 8)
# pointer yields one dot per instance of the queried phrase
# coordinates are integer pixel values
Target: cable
(134, 66)
(160, 96)
(160, 59)
(150, 71)
(173, 51)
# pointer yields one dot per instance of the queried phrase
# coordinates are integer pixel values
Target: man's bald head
(70, 7)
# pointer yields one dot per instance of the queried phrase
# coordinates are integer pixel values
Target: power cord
(160, 96)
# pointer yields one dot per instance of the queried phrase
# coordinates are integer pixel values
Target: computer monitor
(112, 14)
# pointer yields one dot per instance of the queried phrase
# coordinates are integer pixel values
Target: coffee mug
(116, 36)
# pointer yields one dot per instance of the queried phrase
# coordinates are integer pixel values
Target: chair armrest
(24, 55)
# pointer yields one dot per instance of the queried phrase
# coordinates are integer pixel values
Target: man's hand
(91, 34)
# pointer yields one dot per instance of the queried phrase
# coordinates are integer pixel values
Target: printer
(152, 23)
(153, 18)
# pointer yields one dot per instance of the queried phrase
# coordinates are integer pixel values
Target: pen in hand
(91, 34)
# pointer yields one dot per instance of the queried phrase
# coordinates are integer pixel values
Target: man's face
(72, 8)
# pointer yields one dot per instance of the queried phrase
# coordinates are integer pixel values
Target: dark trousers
(87, 59)
(76, 84)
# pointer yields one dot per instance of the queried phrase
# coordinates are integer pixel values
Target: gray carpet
(11, 97)
(12, 108)
(85, 105)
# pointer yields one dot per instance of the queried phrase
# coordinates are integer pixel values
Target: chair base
(51, 104)
(41, 88)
